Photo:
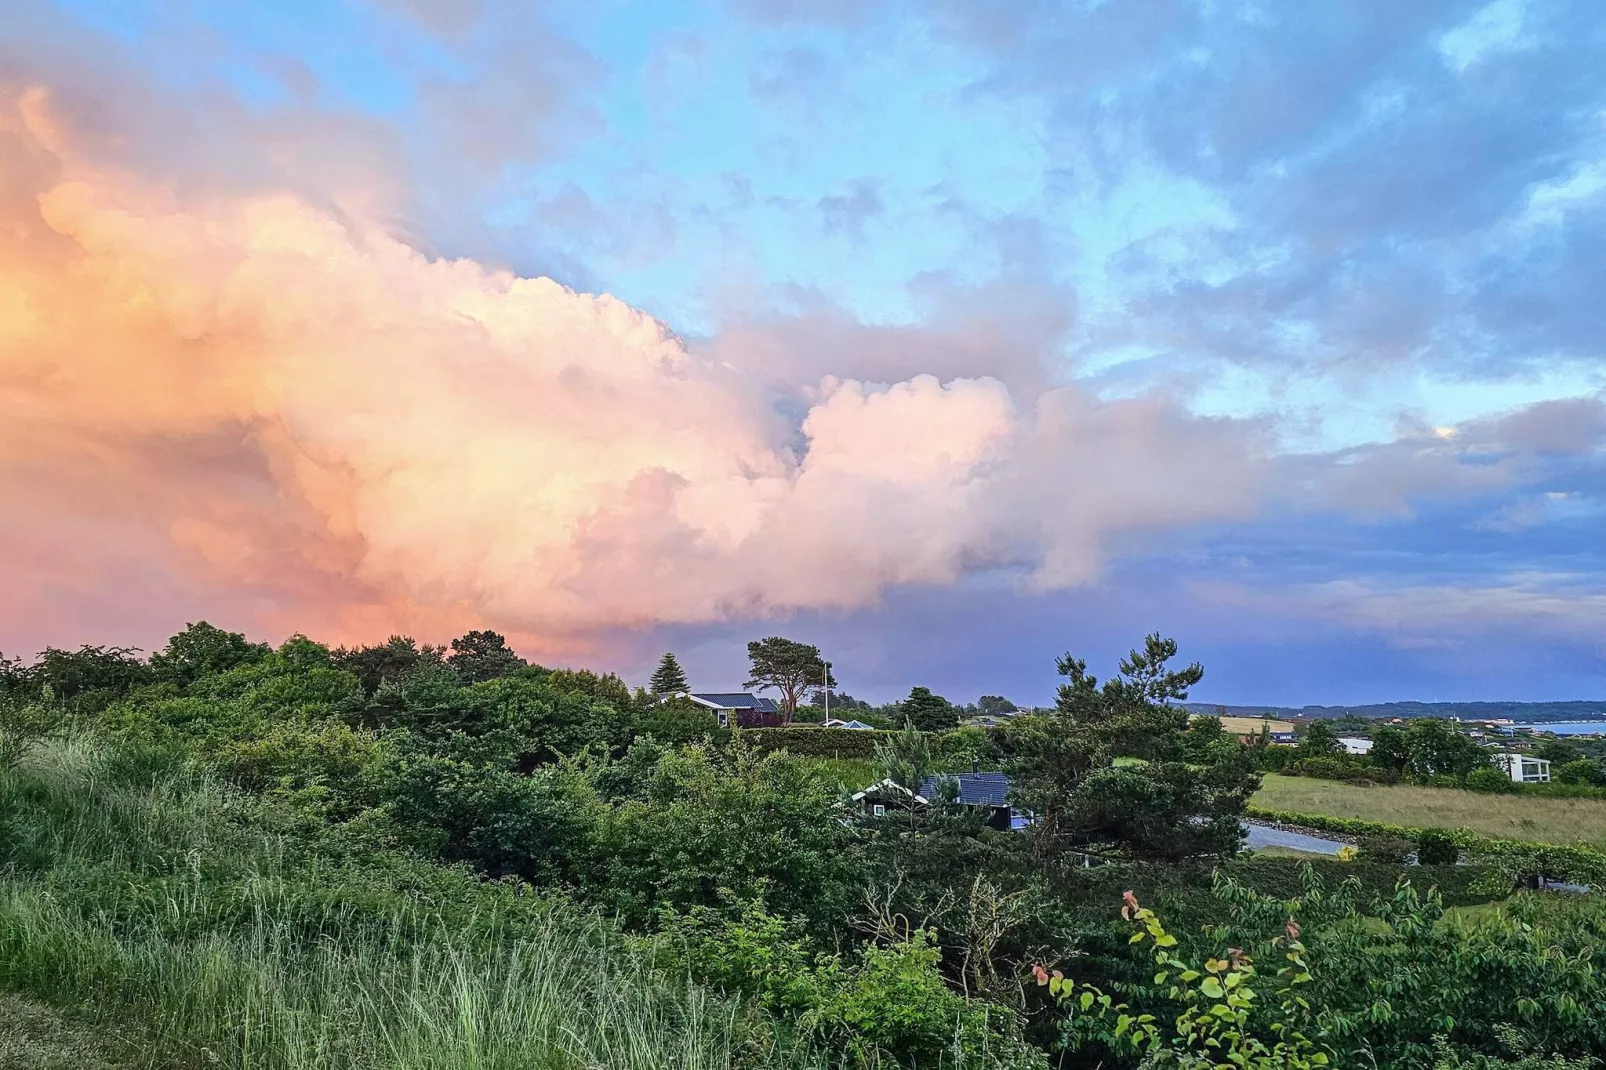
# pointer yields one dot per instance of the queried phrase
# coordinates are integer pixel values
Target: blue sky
(1372, 235)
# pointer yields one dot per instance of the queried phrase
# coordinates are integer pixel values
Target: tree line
(896, 940)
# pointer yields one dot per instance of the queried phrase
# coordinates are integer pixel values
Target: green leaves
(1214, 1028)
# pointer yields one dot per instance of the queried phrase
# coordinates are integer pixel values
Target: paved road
(1262, 836)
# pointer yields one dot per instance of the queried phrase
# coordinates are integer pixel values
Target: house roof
(889, 784)
(734, 700)
(857, 726)
(975, 789)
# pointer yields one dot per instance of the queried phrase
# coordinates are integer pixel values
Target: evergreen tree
(669, 679)
(483, 655)
(1320, 741)
(929, 712)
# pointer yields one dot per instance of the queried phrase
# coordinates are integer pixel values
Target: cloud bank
(297, 413)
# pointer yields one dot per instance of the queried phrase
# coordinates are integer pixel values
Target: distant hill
(1516, 711)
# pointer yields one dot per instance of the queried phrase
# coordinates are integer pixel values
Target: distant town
(1497, 712)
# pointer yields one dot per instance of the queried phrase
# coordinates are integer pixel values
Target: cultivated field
(1248, 726)
(1524, 817)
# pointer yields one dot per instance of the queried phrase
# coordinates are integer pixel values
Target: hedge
(953, 750)
(817, 742)
(1516, 859)
(1184, 891)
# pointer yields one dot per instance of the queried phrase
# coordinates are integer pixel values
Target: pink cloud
(298, 419)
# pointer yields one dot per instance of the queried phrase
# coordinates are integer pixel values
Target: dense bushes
(877, 998)
(164, 911)
(819, 935)
(1490, 781)
(1345, 768)
(1436, 847)
(1395, 982)
(1383, 847)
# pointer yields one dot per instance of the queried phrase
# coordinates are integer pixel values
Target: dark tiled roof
(975, 789)
(738, 700)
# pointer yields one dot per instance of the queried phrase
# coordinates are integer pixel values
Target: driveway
(1259, 836)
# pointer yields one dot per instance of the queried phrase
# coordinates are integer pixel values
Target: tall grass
(146, 905)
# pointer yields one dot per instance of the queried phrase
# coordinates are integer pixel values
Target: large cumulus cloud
(300, 412)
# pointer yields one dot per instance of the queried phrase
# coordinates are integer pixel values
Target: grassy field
(1518, 816)
(147, 913)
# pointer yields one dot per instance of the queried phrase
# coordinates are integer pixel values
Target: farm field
(1248, 726)
(1549, 820)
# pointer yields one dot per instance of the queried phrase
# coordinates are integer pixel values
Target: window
(723, 718)
(880, 811)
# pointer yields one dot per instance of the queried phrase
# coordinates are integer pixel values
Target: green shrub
(878, 1001)
(1582, 771)
(1436, 847)
(1491, 781)
(1341, 768)
(24, 725)
(676, 723)
(1385, 848)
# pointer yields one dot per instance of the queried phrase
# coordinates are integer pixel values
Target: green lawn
(1524, 817)
(850, 773)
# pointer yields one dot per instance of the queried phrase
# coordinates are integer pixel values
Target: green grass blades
(201, 943)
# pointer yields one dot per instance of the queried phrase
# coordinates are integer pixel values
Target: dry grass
(1250, 726)
(1525, 817)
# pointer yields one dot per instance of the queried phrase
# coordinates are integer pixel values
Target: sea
(1567, 728)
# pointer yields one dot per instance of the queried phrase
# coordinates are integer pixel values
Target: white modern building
(1355, 744)
(1523, 768)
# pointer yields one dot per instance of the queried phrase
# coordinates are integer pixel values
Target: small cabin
(987, 793)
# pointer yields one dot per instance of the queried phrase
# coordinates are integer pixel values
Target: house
(1523, 768)
(852, 726)
(737, 708)
(986, 792)
(1355, 744)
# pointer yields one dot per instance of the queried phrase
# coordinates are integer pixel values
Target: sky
(951, 337)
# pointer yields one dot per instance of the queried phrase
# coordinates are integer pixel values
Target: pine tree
(669, 679)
